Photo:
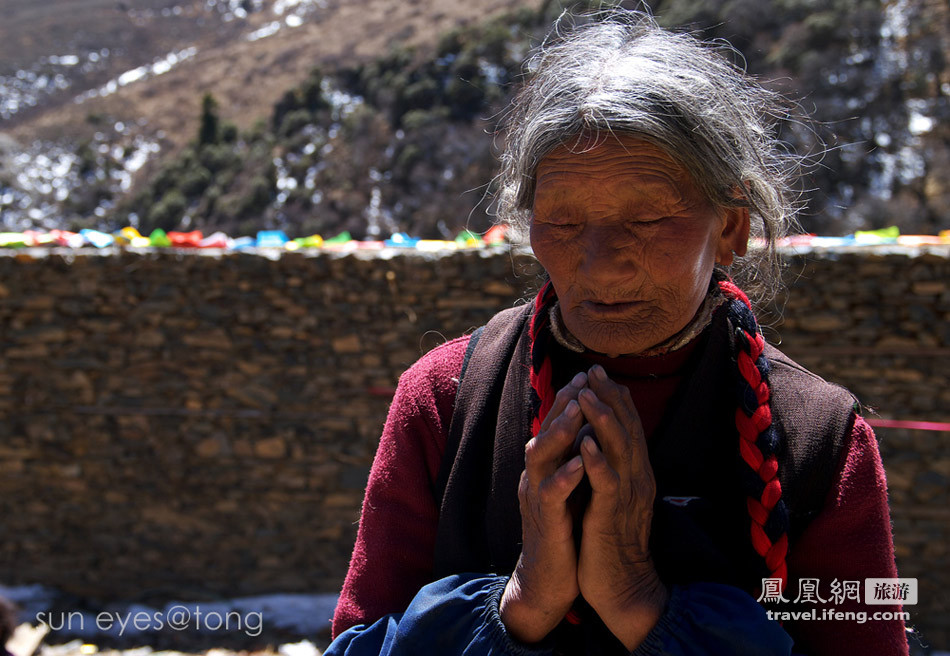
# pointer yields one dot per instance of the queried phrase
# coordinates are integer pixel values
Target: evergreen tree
(208, 129)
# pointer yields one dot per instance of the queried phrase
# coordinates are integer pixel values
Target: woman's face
(629, 242)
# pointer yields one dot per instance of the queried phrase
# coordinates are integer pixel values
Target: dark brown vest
(694, 453)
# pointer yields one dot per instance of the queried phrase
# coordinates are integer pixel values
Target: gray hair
(622, 73)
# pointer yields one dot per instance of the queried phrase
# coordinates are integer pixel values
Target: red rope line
(939, 426)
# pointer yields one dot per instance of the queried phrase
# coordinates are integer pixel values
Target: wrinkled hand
(545, 583)
(615, 571)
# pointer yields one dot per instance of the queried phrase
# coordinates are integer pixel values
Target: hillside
(245, 57)
(324, 115)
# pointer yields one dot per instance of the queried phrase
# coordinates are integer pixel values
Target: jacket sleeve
(714, 619)
(393, 554)
(459, 615)
(849, 540)
(455, 615)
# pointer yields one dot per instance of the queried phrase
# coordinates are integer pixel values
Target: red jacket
(393, 556)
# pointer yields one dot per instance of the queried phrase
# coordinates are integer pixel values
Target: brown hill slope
(245, 75)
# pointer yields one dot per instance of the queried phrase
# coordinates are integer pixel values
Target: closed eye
(641, 222)
(561, 223)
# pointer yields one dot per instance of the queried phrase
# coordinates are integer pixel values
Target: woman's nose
(605, 255)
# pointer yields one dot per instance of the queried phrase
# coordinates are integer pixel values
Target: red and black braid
(758, 440)
(541, 371)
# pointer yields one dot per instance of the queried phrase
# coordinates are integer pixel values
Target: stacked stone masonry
(181, 425)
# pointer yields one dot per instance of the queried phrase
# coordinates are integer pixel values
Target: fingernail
(589, 394)
(579, 380)
(598, 372)
(574, 464)
(589, 445)
(572, 408)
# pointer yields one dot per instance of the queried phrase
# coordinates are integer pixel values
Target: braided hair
(541, 370)
(758, 441)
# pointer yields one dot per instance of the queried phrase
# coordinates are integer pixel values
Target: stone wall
(192, 425)
(878, 322)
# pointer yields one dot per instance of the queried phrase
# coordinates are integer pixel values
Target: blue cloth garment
(459, 615)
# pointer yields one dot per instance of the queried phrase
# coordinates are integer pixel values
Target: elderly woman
(624, 464)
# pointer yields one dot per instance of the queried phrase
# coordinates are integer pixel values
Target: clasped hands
(611, 568)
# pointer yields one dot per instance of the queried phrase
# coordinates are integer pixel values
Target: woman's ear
(734, 238)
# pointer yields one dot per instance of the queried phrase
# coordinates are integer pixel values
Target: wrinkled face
(629, 242)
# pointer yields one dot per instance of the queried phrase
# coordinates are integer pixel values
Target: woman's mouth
(609, 309)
